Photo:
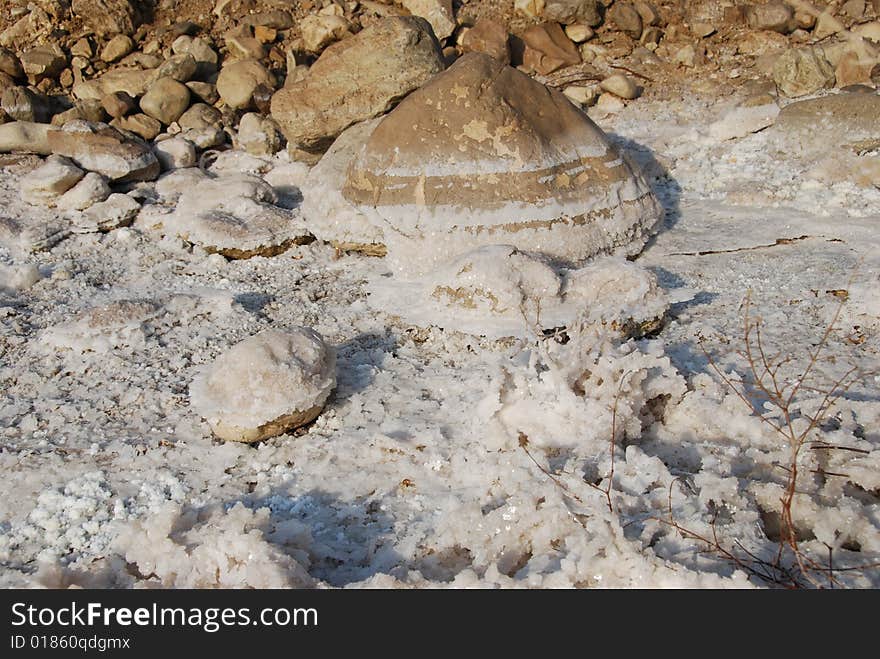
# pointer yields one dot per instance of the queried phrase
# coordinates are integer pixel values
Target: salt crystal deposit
(266, 385)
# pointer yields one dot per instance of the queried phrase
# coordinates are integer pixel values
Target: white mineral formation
(498, 291)
(266, 385)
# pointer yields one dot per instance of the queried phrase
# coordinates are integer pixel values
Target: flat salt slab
(31, 234)
(482, 154)
(235, 216)
(266, 385)
(123, 323)
(498, 291)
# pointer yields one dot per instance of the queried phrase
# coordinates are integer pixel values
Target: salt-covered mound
(482, 154)
(266, 385)
(103, 328)
(498, 291)
(236, 216)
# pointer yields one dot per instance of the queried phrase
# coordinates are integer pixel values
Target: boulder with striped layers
(482, 154)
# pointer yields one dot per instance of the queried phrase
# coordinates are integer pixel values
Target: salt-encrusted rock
(621, 85)
(355, 80)
(118, 210)
(107, 17)
(238, 80)
(170, 186)
(103, 328)
(318, 31)
(498, 291)
(327, 213)
(511, 161)
(100, 148)
(235, 216)
(626, 18)
(266, 385)
(488, 37)
(437, 12)
(21, 104)
(117, 48)
(175, 153)
(802, 71)
(842, 118)
(25, 137)
(774, 16)
(90, 190)
(43, 62)
(50, 180)
(132, 81)
(142, 125)
(259, 135)
(567, 12)
(31, 234)
(548, 49)
(165, 100)
(744, 120)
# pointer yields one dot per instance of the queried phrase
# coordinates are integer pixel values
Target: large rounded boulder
(482, 154)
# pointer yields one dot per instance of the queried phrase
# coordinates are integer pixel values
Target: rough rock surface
(266, 385)
(107, 17)
(437, 12)
(355, 80)
(548, 49)
(515, 163)
(238, 81)
(100, 148)
(488, 37)
(26, 137)
(802, 71)
(235, 216)
(52, 179)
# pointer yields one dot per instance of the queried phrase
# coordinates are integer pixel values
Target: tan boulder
(488, 37)
(108, 17)
(100, 148)
(356, 79)
(548, 49)
(483, 154)
(437, 12)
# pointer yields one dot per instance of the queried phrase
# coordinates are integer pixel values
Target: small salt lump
(266, 385)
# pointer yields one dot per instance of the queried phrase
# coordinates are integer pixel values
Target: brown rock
(21, 104)
(355, 80)
(108, 17)
(626, 19)
(774, 16)
(131, 81)
(179, 67)
(238, 80)
(437, 12)
(43, 62)
(199, 116)
(482, 154)
(165, 100)
(548, 49)
(568, 12)
(118, 104)
(9, 64)
(142, 125)
(801, 71)
(100, 148)
(320, 31)
(488, 37)
(204, 91)
(117, 48)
